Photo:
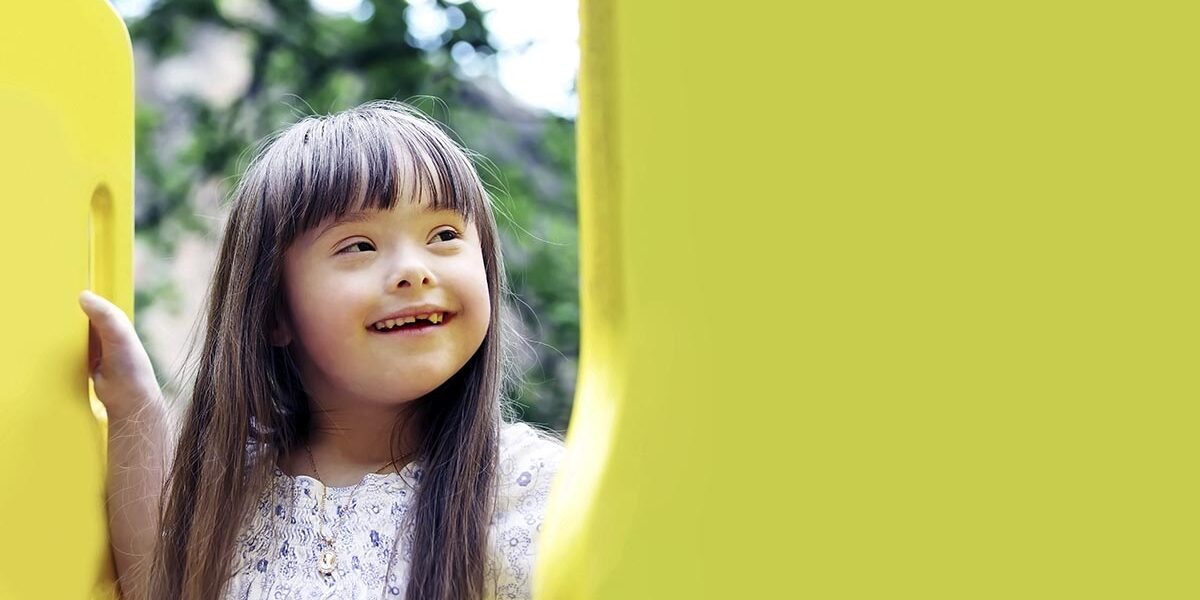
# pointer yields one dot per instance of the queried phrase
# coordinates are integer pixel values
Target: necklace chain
(328, 559)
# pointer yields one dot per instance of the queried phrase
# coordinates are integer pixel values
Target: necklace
(327, 562)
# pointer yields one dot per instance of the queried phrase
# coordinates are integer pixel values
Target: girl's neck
(346, 445)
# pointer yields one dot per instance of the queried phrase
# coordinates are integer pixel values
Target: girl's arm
(137, 439)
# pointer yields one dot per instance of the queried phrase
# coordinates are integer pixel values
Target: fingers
(94, 349)
(107, 319)
(118, 364)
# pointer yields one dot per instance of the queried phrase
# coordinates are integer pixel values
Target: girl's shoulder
(528, 462)
(520, 441)
(529, 457)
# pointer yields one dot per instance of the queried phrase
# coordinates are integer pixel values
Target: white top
(283, 563)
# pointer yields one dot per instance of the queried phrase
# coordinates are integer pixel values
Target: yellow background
(884, 300)
(880, 300)
(66, 166)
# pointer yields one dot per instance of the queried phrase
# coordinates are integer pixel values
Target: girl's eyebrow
(355, 217)
(363, 217)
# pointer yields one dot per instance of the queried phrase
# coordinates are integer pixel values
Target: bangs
(365, 159)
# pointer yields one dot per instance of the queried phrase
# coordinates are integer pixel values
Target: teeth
(434, 318)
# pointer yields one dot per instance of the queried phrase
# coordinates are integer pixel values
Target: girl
(345, 436)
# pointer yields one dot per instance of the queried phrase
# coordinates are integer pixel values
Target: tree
(191, 144)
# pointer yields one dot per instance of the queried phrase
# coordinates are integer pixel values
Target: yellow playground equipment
(879, 300)
(66, 159)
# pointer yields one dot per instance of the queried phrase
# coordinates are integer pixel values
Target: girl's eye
(454, 235)
(347, 250)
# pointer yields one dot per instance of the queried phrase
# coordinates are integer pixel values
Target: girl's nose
(424, 280)
(411, 273)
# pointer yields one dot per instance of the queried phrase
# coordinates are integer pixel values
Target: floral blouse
(278, 548)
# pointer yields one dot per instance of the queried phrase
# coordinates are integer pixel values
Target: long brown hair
(247, 406)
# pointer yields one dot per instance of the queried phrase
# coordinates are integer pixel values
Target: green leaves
(190, 152)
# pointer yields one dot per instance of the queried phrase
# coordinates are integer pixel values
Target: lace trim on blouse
(277, 549)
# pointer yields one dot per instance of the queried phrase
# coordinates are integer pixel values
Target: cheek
(473, 292)
(306, 322)
(482, 319)
(324, 312)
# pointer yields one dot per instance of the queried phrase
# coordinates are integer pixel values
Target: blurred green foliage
(305, 62)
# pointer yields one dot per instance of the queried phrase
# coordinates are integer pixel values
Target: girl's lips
(416, 329)
(414, 311)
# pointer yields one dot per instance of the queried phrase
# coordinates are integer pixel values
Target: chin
(410, 390)
(416, 380)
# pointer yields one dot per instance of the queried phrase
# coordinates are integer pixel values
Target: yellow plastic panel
(884, 300)
(66, 171)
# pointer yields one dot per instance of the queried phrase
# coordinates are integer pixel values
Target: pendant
(327, 562)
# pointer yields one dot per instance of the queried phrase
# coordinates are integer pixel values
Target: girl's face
(342, 278)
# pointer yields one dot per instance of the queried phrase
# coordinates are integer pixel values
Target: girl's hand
(117, 362)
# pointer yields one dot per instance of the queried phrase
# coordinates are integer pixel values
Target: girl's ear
(280, 333)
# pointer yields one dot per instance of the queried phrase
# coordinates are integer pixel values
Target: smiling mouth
(412, 324)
